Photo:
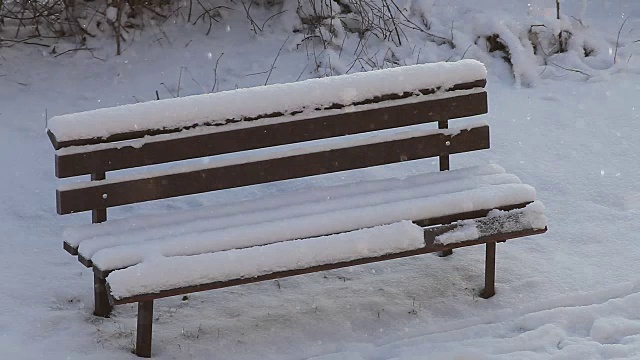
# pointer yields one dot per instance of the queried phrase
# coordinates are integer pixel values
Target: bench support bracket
(144, 330)
(490, 272)
(444, 166)
(102, 306)
(101, 299)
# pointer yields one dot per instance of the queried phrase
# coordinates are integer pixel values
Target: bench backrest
(99, 141)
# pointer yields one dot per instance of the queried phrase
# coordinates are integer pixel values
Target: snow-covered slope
(571, 292)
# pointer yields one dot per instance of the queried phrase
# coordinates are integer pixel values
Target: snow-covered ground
(572, 293)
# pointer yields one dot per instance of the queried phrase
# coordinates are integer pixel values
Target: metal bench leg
(101, 300)
(145, 325)
(490, 272)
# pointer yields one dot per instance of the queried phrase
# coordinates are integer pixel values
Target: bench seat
(164, 273)
(167, 276)
(423, 198)
(95, 236)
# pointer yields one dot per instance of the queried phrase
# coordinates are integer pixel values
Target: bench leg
(101, 300)
(490, 272)
(445, 253)
(144, 330)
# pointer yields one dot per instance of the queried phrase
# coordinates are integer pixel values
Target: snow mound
(597, 325)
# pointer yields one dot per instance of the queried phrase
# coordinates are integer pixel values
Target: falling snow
(571, 293)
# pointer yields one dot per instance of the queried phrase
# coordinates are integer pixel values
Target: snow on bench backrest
(240, 106)
(326, 125)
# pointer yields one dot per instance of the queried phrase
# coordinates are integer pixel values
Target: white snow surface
(464, 231)
(111, 13)
(239, 104)
(571, 293)
(157, 274)
(310, 225)
(300, 220)
(398, 133)
(283, 205)
(497, 221)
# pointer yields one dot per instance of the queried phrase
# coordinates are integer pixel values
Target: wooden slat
(140, 134)
(429, 247)
(124, 192)
(353, 122)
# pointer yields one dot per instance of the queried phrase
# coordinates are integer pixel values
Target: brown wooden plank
(124, 192)
(123, 157)
(140, 134)
(429, 248)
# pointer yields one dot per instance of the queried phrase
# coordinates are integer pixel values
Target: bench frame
(392, 114)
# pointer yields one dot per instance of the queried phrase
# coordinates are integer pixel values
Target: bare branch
(276, 59)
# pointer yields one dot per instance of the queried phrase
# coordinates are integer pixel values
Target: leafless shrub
(54, 19)
(325, 22)
(495, 44)
(327, 19)
(546, 44)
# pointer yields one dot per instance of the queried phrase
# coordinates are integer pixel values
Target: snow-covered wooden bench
(273, 133)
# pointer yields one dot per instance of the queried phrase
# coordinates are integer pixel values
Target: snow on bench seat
(496, 222)
(164, 273)
(93, 237)
(299, 220)
(293, 98)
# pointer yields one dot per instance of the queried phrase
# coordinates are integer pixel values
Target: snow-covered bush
(342, 36)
